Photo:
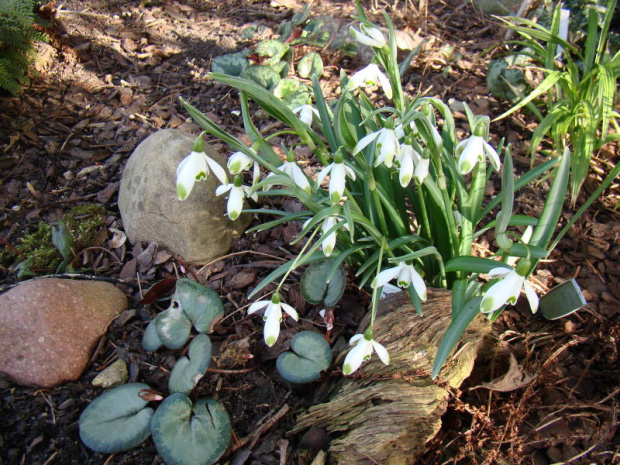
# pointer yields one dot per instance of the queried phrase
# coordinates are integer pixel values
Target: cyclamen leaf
(233, 64)
(173, 327)
(310, 65)
(186, 434)
(117, 420)
(315, 288)
(200, 304)
(189, 370)
(310, 354)
(263, 75)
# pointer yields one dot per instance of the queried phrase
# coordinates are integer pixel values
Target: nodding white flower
(306, 113)
(412, 164)
(387, 145)
(195, 167)
(293, 170)
(371, 36)
(472, 150)
(508, 289)
(272, 316)
(365, 345)
(329, 243)
(405, 275)
(338, 173)
(371, 75)
(235, 199)
(239, 162)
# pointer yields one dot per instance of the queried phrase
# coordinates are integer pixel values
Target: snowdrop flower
(272, 316)
(371, 36)
(292, 169)
(387, 145)
(371, 75)
(508, 289)
(405, 275)
(412, 164)
(235, 199)
(195, 167)
(306, 112)
(338, 172)
(472, 150)
(329, 243)
(239, 162)
(362, 352)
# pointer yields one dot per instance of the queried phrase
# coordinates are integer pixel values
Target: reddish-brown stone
(48, 328)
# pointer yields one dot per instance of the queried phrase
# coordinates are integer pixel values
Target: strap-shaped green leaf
(473, 264)
(464, 316)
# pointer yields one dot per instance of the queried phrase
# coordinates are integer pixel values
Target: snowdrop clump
(395, 196)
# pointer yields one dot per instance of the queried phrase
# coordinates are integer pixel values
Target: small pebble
(112, 376)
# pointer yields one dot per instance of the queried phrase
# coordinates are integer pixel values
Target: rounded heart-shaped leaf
(316, 289)
(187, 434)
(117, 420)
(188, 370)
(232, 64)
(150, 339)
(310, 65)
(271, 49)
(173, 326)
(263, 75)
(310, 354)
(200, 304)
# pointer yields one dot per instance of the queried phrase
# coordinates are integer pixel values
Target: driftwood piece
(386, 414)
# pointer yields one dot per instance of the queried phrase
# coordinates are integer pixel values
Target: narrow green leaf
(464, 316)
(552, 210)
(550, 80)
(473, 264)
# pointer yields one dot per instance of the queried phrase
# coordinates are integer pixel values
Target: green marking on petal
(347, 369)
(271, 341)
(181, 192)
(465, 166)
(486, 305)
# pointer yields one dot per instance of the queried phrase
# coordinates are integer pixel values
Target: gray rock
(196, 228)
(114, 375)
(497, 7)
(49, 327)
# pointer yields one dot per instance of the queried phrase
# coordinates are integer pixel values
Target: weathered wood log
(386, 414)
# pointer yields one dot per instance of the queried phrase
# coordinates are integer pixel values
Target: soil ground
(112, 74)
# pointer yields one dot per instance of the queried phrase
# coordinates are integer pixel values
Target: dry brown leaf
(515, 378)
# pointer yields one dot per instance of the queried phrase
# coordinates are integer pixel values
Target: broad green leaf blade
(266, 76)
(315, 287)
(464, 316)
(117, 420)
(173, 327)
(186, 434)
(150, 339)
(562, 300)
(233, 64)
(310, 354)
(310, 65)
(189, 370)
(200, 304)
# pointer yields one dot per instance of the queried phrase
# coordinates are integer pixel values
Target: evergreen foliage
(17, 37)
